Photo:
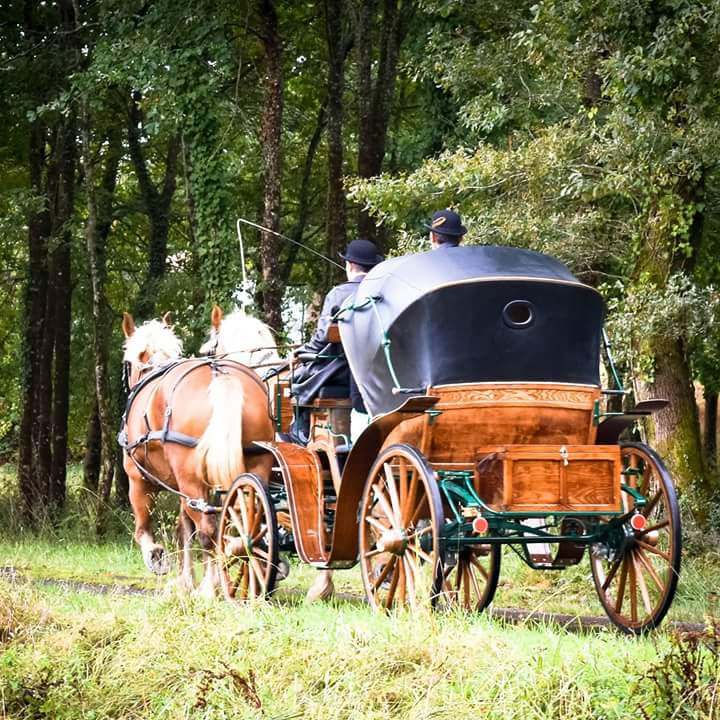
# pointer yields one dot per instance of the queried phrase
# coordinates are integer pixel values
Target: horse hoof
(157, 561)
(322, 589)
(283, 570)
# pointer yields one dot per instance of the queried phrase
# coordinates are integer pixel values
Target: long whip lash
(289, 239)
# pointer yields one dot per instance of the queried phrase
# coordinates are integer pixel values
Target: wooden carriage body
(480, 367)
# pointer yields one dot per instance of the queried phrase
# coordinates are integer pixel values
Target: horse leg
(142, 499)
(206, 530)
(323, 587)
(184, 534)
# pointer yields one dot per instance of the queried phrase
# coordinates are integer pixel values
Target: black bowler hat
(362, 252)
(446, 222)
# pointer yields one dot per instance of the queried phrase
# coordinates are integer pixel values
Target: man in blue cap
(446, 229)
(360, 257)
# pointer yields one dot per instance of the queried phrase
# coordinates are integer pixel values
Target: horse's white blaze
(220, 448)
(154, 338)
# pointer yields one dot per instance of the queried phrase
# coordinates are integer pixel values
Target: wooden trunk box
(549, 478)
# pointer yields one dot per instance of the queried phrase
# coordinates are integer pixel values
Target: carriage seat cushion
(329, 392)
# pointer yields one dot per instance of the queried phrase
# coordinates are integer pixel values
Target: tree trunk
(335, 208)
(303, 212)
(157, 205)
(93, 450)
(60, 315)
(710, 429)
(676, 431)
(32, 487)
(375, 98)
(95, 245)
(271, 139)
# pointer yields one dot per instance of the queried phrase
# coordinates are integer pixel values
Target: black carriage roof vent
(518, 314)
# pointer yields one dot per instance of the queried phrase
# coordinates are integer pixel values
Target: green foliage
(683, 683)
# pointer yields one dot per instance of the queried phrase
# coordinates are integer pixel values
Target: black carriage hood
(470, 314)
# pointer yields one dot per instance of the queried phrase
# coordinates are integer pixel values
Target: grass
(66, 654)
(83, 656)
(71, 551)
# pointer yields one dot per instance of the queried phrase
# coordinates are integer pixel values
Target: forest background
(134, 134)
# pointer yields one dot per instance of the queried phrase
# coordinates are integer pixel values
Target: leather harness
(166, 433)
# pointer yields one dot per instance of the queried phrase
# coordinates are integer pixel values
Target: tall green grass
(69, 549)
(81, 656)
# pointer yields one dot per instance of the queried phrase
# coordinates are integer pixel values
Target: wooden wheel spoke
(410, 497)
(376, 523)
(609, 577)
(621, 585)
(251, 507)
(642, 584)
(633, 588)
(244, 575)
(658, 526)
(253, 581)
(476, 563)
(243, 511)
(237, 522)
(385, 505)
(393, 587)
(420, 553)
(652, 549)
(402, 482)
(416, 513)
(474, 580)
(262, 554)
(384, 573)
(391, 484)
(373, 553)
(652, 504)
(466, 584)
(260, 573)
(259, 535)
(257, 522)
(652, 571)
(401, 581)
(408, 567)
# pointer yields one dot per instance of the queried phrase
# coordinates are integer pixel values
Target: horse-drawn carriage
(480, 366)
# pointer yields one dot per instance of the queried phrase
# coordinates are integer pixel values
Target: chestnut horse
(188, 427)
(232, 336)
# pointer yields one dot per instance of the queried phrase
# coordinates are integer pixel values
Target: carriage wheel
(636, 585)
(247, 541)
(471, 580)
(400, 519)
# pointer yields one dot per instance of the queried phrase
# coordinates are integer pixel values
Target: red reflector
(637, 522)
(480, 525)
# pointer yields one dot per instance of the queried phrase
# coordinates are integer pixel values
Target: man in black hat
(446, 229)
(360, 257)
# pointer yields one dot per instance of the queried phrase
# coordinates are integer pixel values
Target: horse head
(242, 338)
(148, 346)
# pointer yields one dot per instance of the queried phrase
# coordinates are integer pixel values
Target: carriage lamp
(480, 525)
(638, 521)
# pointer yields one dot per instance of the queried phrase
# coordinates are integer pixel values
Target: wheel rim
(637, 586)
(470, 579)
(400, 519)
(247, 541)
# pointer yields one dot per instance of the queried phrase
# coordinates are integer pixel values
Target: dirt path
(572, 623)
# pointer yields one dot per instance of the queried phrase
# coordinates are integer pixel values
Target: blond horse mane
(246, 340)
(154, 338)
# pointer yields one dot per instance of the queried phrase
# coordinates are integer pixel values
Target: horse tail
(220, 448)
